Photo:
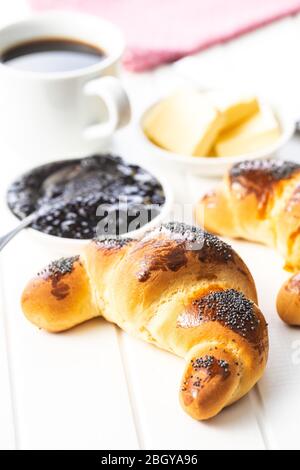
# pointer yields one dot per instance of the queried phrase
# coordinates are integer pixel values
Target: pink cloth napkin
(159, 31)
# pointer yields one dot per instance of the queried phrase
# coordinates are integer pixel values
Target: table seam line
(13, 405)
(130, 392)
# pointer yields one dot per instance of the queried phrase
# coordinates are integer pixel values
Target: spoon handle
(23, 224)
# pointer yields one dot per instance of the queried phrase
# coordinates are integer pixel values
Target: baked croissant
(177, 287)
(288, 301)
(258, 201)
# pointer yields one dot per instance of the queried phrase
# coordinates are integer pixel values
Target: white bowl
(59, 246)
(214, 166)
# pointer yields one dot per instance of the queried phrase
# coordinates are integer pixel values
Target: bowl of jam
(80, 199)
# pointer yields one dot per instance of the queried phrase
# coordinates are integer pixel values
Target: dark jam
(88, 197)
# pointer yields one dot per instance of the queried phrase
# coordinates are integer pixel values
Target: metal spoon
(23, 224)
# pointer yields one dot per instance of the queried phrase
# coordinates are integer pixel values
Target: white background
(95, 387)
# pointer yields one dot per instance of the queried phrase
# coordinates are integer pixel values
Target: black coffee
(52, 55)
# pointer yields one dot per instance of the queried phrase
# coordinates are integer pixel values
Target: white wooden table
(95, 387)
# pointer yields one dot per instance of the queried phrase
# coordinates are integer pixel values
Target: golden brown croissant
(177, 287)
(258, 201)
(288, 301)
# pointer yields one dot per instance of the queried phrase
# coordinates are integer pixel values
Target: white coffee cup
(61, 114)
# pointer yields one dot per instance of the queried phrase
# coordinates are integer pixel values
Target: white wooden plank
(280, 386)
(7, 427)
(9, 11)
(154, 377)
(70, 388)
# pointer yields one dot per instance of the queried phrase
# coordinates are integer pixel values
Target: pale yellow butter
(235, 108)
(186, 123)
(259, 131)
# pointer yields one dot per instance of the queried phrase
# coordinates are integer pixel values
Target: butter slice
(186, 123)
(235, 109)
(259, 131)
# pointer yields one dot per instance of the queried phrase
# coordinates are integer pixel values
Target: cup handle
(112, 93)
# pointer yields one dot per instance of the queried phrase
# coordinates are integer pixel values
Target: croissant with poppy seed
(288, 301)
(260, 201)
(177, 287)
